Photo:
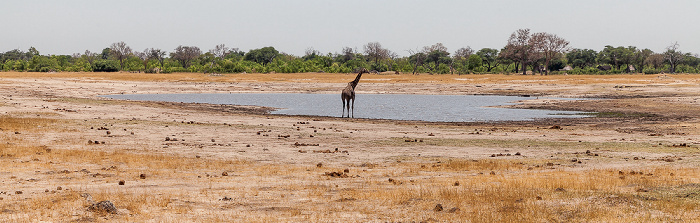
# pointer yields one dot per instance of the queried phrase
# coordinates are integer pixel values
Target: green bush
(105, 66)
(651, 71)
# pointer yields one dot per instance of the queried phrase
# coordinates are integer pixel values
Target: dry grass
(535, 196)
(528, 144)
(190, 189)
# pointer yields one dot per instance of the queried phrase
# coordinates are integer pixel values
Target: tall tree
(145, 56)
(346, 55)
(120, 51)
(461, 57)
(186, 54)
(673, 56)
(417, 58)
(463, 53)
(549, 45)
(220, 52)
(641, 58)
(519, 45)
(262, 56)
(656, 60)
(612, 55)
(375, 52)
(581, 58)
(488, 58)
(507, 56)
(157, 54)
(90, 56)
(33, 51)
(436, 54)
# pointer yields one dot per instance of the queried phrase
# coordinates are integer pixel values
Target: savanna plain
(68, 155)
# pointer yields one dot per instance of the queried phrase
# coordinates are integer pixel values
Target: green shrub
(105, 66)
(651, 71)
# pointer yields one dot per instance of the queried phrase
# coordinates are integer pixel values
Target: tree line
(524, 52)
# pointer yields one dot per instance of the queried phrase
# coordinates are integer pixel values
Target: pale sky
(292, 26)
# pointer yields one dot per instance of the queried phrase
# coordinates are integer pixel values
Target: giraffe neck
(357, 80)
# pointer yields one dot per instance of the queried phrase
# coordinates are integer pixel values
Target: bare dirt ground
(64, 149)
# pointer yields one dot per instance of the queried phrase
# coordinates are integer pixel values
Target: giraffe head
(364, 71)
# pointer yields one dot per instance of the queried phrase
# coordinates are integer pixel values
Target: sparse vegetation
(223, 167)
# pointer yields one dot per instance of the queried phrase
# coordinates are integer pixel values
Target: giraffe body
(348, 95)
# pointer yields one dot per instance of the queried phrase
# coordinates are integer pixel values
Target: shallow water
(435, 108)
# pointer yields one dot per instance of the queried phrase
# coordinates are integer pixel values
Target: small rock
(456, 183)
(103, 207)
(319, 165)
(346, 171)
(121, 182)
(224, 173)
(438, 208)
(18, 192)
(142, 176)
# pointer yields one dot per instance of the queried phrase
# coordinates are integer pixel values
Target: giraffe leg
(343, 115)
(353, 108)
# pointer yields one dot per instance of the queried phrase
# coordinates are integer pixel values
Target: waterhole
(434, 108)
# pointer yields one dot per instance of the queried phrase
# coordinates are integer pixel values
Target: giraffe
(348, 94)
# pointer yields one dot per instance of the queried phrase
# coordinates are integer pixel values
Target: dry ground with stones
(67, 155)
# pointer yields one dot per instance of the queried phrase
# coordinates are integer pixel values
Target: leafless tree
(90, 56)
(185, 54)
(311, 52)
(120, 51)
(519, 47)
(436, 47)
(463, 53)
(673, 56)
(549, 45)
(375, 52)
(419, 58)
(220, 51)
